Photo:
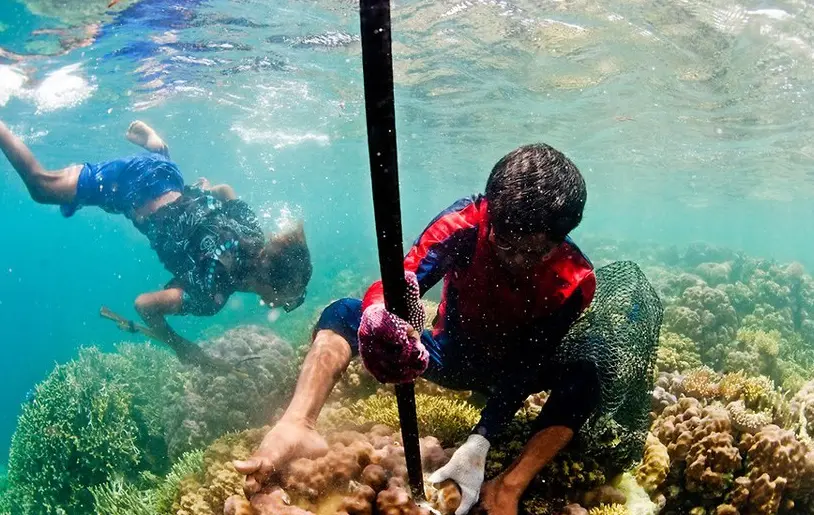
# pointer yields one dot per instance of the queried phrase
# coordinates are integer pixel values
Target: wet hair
(535, 189)
(286, 261)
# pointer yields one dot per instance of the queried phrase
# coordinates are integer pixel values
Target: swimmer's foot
(144, 136)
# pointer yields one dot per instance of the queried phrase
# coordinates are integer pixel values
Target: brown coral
(700, 383)
(655, 465)
(777, 464)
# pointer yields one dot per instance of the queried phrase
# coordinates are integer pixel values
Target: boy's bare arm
(222, 192)
(154, 307)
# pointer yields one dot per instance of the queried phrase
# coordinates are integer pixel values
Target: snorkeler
(514, 283)
(209, 240)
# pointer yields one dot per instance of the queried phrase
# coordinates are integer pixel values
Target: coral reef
(449, 420)
(361, 473)
(676, 353)
(731, 420)
(205, 406)
(81, 427)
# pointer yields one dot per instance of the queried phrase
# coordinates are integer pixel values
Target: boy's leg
(56, 187)
(144, 136)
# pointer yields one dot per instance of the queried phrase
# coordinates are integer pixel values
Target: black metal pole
(377, 63)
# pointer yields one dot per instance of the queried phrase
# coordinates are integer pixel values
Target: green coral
(118, 497)
(121, 497)
(449, 420)
(190, 465)
(5, 505)
(75, 433)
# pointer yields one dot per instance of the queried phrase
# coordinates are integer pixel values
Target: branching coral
(449, 420)
(118, 497)
(609, 509)
(78, 430)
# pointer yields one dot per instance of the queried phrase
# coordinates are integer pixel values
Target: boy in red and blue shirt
(514, 282)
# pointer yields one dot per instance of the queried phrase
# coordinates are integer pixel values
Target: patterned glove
(387, 351)
(466, 468)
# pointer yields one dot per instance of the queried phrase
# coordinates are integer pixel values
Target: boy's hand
(390, 347)
(203, 183)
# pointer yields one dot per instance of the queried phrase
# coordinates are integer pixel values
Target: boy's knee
(142, 305)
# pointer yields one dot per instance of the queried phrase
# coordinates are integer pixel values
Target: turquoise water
(689, 122)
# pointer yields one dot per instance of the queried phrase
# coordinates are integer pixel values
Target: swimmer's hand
(203, 183)
(288, 440)
(390, 347)
(466, 469)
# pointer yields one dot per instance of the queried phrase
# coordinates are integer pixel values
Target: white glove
(466, 468)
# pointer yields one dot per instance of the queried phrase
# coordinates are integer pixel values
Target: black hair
(535, 189)
(287, 261)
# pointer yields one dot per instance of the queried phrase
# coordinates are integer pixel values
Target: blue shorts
(122, 185)
(448, 366)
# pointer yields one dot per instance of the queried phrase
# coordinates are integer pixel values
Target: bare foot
(144, 136)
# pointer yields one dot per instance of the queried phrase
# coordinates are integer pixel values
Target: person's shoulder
(466, 211)
(575, 253)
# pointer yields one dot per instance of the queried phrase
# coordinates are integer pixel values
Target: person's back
(198, 237)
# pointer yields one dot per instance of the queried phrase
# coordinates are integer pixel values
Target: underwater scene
(606, 213)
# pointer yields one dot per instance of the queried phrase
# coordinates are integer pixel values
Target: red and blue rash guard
(504, 327)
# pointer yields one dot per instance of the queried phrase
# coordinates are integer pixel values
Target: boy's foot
(144, 136)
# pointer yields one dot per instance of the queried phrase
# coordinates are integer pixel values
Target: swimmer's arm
(154, 307)
(222, 192)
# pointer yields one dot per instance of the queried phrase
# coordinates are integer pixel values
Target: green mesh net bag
(619, 332)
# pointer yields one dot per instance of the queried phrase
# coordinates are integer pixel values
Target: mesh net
(619, 332)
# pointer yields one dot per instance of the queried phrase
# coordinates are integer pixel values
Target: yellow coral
(757, 393)
(449, 420)
(677, 353)
(655, 464)
(701, 383)
(767, 344)
(610, 509)
(220, 480)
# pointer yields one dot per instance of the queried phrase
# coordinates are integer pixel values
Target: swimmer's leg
(144, 136)
(45, 187)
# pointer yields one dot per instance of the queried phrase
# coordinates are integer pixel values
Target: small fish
(112, 3)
